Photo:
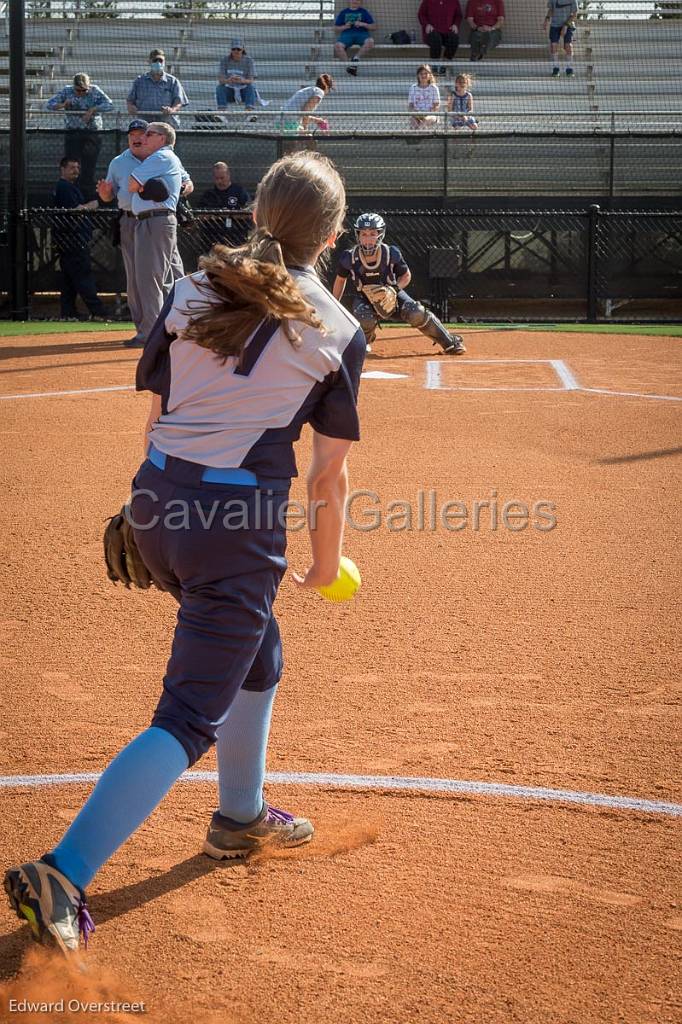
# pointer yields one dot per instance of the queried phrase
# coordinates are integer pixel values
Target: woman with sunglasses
(236, 77)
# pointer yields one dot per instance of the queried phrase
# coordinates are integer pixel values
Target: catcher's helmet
(374, 222)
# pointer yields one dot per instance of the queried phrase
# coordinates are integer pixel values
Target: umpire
(115, 185)
(157, 261)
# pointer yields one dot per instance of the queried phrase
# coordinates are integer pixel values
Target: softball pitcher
(244, 353)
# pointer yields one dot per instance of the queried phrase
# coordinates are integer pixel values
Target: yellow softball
(346, 584)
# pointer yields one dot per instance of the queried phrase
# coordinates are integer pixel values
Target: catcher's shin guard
(367, 318)
(429, 325)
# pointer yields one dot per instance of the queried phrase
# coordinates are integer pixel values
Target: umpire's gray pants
(156, 265)
(128, 225)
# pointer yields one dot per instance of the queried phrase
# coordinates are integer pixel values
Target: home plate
(383, 375)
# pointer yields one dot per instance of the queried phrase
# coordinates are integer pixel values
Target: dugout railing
(550, 264)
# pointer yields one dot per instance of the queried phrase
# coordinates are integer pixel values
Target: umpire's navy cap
(138, 125)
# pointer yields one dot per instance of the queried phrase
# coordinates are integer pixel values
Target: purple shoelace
(86, 926)
(274, 814)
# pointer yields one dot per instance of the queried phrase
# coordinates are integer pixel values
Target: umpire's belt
(165, 212)
(212, 475)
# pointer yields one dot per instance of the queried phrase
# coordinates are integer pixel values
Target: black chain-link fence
(544, 265)
(456, 167)
(638, 257)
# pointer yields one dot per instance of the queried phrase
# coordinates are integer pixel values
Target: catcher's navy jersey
(249, 416)
(391, 266)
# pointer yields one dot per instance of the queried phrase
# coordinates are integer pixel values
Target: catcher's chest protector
(367, 275)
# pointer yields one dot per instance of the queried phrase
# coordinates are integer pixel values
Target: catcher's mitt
(382, 297)
(121, 554)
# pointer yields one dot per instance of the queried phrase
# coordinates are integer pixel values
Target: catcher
(380, 275)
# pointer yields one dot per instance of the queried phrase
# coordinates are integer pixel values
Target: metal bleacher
(511, 88)
(628, 79)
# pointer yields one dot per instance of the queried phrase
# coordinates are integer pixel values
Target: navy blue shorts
(353, 37)
(220, 550)
(555, 35)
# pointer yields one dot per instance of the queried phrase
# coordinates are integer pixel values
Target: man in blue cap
(157, 91)
(115, 185)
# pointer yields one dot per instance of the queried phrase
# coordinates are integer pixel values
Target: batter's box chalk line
(433, 382)
(566, 377)
(405, 784)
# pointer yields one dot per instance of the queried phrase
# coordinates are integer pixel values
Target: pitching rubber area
(486, 739)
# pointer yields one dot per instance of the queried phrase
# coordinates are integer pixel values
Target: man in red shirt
(485, 18)
(440, 21)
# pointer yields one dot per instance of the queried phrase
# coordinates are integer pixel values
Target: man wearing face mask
(157, 91)
(115, 185)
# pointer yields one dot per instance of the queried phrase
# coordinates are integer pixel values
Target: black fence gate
(542, 265)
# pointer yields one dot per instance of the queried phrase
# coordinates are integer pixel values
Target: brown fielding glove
(121, 554)
(383, 298)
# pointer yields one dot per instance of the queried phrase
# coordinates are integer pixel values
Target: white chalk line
(433, 382)
(632, 394)
(520, 387)
(369, 375)
(391, 782)
(569, 381)
(565, 375)
(76, 391)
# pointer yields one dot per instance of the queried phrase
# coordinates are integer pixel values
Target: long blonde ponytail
(299, 204)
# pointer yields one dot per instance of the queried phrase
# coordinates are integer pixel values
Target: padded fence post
(592, 260)
(17, 193)
(446, 169)
(612, 159)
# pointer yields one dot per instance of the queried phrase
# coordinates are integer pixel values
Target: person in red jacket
(485, 18)
(440, 21)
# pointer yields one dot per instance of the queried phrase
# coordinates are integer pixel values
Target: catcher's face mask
(368, 240)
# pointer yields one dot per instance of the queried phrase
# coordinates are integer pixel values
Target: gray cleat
(226, 839)
(55, 909)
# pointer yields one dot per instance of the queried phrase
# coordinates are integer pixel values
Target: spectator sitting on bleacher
(236, 77)
(157, 92)
(83, 103)
(440, 21)
(354, 24)
(560, 21)
(461, 103)
(303, 102)
(225, 194)
(424, 97)
(485, 18)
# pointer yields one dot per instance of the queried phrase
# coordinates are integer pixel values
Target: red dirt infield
(531, 657)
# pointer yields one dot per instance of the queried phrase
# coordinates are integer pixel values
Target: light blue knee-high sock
(241, 747)
(131, 787)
